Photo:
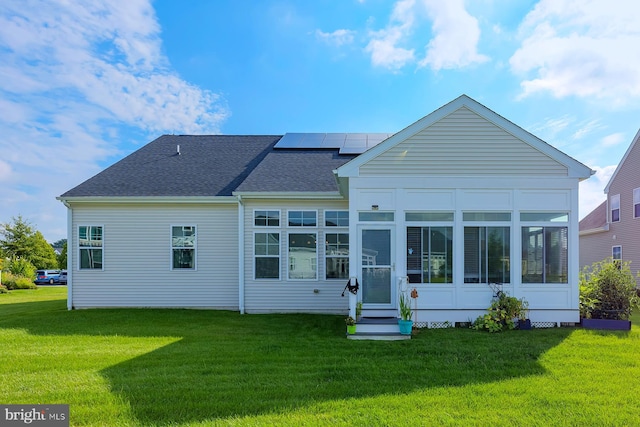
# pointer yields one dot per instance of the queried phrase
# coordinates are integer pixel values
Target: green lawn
(188, 367)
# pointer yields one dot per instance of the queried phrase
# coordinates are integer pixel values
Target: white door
(377, 265)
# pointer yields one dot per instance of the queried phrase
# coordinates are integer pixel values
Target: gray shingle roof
(597, 218)
(295, 171)
(208, 165)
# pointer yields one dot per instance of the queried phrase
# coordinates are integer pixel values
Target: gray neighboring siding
(627, 231)
(282, 296)
(137, 270)
(463, 144)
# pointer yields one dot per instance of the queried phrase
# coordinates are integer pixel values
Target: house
(458, 200)
(612, 230)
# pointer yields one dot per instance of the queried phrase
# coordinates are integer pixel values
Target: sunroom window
(545, 254)
(430, 254)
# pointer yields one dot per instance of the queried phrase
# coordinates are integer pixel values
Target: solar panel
(347, 143)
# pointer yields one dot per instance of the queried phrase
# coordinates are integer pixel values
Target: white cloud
(592, 189)
(337, 38)
(581, 48)
(456, 36)
(382, 47)
(453, 45)
(613, 139)
(76, 77)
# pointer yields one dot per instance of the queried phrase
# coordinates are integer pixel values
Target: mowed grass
(145, 367)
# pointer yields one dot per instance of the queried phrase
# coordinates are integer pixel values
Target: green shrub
(12, 281)
(502, 314)
(20, 267)
(3, 289)
(608, 290)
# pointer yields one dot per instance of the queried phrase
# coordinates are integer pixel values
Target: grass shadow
(229, 365)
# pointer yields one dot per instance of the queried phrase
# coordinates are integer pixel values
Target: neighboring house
(613, 228)
(455, 201)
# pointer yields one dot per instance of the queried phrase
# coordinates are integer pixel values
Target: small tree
(19, 240)
(607, 290)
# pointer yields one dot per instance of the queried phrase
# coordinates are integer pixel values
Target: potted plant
(351, 325)
(405, 323)
(524, 323)
(607, 295)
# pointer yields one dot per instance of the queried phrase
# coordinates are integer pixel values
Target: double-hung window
(90, 247)
(545, 242)
(430, 247)
(183, 247)
(616, 253)
(636, 202)
(615, 208)
(336, 245)
(267, 255)
(487, 247)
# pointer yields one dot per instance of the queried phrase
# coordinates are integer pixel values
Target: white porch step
(378, 328)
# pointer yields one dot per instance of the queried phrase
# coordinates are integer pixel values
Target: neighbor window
(616, 253)
(266, 218)
(545, 254)
(430, 254)
(615, 208)
(336, 218)
(302, 218)
(183, 247)
(303, 260)
(267, 255)
(90, 245)
(337, 255)
(487, 255)
(636, 202)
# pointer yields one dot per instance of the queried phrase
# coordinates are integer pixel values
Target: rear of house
(456, 204)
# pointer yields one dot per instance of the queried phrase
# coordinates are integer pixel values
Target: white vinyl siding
(319, 295)
(136, 260)
(463, 144)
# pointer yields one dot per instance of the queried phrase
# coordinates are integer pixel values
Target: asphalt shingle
(208, 165)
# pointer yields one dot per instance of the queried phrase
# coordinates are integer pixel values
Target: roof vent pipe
(178, 150)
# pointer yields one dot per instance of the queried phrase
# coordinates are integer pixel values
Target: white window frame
(485, 223)
(554, 223)
(315, 211)
(255, 233)
(337, 231)
(615, 201)
(613, 253)
(80, 248)
(338, 225)
(636, 201)
(195, 247)
(267, 226)
(313, 261)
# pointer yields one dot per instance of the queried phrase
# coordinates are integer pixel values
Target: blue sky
(84, 83)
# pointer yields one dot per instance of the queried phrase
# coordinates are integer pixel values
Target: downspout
(240, 255)
(69, 255)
